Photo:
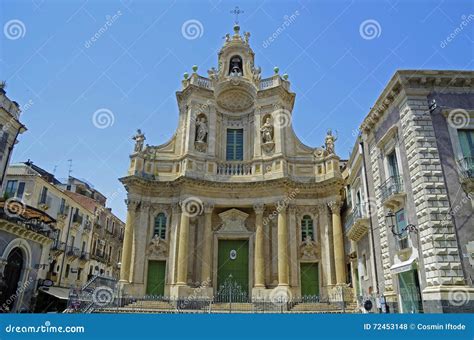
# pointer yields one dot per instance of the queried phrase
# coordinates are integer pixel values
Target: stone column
(283, 279)
(338, 239)
(259, 247)
(207, 246)
(183, 240)
(139, 247)
(294, 234)
(127, 242)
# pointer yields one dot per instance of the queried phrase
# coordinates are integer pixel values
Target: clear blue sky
(135, 67)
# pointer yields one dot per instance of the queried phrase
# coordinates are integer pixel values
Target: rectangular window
(10, 189)
(235, 145)
(43, 196)
(392, 165)
(21, 190)
(466, 140)
(3, 143)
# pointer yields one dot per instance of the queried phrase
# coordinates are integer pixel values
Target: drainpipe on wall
(374, 262)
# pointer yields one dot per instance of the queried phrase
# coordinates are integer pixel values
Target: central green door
(156, 278)
(309, 279)
(233, 264)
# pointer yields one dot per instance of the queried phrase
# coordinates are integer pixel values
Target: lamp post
(391, 222)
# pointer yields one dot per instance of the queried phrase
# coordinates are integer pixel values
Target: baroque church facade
(234, 197)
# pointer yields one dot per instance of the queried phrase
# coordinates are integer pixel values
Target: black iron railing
(393, 185)
(73, 251)
(466, 167)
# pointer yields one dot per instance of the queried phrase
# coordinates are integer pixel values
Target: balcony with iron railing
(357, 222)
(58, 247)
(98, 255)
(393, 192)
(466, 172)
(85, 256)
(73, 251)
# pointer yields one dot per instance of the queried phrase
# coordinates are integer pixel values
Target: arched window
(160, 226)
(307, 228)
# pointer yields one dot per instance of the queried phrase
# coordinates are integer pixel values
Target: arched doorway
(11, 277)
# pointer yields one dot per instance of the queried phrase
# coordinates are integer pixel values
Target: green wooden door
(156, 278)
(309, 279)
(410, 292)
(233, 264)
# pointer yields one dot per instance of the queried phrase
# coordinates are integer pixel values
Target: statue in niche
(139, 139)
(329, 142)
(202, 130)
(267, 131)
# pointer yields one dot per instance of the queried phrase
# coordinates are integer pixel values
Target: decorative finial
(236, 11)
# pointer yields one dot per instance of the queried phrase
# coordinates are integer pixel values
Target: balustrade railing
(234, 169)
(266, 83)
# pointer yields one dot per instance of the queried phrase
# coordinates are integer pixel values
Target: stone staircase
(153, 306)
(321, 308)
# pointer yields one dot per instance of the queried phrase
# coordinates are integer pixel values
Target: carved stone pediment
(309, 249)
(157, 247)
(233, 221)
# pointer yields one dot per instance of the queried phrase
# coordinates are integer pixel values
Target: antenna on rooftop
(70, 168)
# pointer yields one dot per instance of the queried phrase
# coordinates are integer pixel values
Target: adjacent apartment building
(409, 221)
(88, 237)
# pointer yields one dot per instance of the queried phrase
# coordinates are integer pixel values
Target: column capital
(322, 208)
(132, 204)
(335, 206)
(208, 208)
(176, 208)
(292, 208)
(259, 208)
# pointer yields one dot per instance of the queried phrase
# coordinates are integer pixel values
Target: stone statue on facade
(246, 37)
(202, 130)
(267, 131)
(139, 139)
(330, 142)
(256, 74)
(212, 73)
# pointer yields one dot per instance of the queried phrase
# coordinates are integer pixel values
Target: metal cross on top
(236, 11)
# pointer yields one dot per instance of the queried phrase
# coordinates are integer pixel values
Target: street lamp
(391, 222)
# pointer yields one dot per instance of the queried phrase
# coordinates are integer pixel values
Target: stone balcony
(238, 171)
(357, 222)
